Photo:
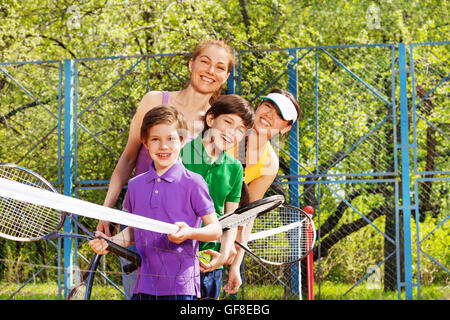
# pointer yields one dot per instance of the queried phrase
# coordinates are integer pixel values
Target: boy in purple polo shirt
(170, 193)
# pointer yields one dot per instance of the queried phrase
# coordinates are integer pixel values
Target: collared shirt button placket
(155, 199)
(158, 180)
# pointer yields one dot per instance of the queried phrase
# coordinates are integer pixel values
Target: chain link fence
(345, 162)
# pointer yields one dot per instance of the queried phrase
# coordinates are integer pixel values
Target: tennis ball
(309, 210)
(204, 257)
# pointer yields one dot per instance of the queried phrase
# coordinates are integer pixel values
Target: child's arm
(227, 242)
(211, 231)
(125, 238)
(227, 249)
(234, 274)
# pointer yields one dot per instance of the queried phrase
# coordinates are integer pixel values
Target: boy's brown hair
(163, 114)
(231, 104)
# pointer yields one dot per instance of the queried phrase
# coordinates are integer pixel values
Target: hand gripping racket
(283, 236)
(21, 220)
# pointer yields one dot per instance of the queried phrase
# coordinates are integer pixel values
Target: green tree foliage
(46, 30)
(31, 102)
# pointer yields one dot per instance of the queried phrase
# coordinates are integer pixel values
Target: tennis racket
(283, 236)
(21, 220)
(82, 291)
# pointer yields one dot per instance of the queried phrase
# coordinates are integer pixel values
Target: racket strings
(22, 220)
(78, 292)
(30, 220)
(284, 235)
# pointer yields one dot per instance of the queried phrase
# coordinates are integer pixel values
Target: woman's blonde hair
(218, 43)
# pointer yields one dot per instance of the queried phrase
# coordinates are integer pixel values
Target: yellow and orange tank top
(254, 171)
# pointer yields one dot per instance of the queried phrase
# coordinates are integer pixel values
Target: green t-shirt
(224, 177)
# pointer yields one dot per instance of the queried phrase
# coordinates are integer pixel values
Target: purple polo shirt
(178, 195)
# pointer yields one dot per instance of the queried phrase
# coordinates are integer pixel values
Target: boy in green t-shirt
(225, 124)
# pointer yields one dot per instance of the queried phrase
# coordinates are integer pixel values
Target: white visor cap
(287, 108)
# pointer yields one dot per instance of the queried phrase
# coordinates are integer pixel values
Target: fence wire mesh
(348, 140)
(431, 140)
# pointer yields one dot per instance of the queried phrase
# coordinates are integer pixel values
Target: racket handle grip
(129, 268)
(124, 253)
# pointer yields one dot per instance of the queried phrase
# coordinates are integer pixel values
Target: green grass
(339, 291)
(49, 291)
(328, 291)
(39, 291)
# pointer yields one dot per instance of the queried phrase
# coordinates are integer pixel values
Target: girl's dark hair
(231, 104)
(163, 114)
(245, 195)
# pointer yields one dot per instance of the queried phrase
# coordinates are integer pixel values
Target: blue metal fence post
(405, 173)
(68, 167)
(231, 81)
(293, 166)
(231, 89)
(293, 133)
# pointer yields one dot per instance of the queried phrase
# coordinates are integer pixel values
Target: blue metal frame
(414, 104)
(69, 77)
(418, 239)
(405, 171)
(231, 81)
(294, 193)
(58, 127)
(424, 175)
(293, 133)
